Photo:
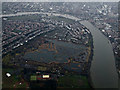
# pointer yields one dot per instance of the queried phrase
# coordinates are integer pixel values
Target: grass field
(73, 81)
(14, 81)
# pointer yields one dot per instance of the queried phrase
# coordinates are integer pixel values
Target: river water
(103, 70)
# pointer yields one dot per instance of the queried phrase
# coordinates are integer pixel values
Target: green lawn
(73, 81)
(12, 81)
(8, 82)
(6, 59)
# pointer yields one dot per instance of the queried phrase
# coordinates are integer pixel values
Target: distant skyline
(60, 0)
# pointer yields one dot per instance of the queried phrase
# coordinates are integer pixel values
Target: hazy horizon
(60, 1)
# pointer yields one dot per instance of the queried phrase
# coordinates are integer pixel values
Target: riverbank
(33, 65)
(103, 71)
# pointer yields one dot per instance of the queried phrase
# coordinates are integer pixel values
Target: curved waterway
(103, 70)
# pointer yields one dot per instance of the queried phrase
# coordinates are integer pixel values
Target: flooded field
(56, 51)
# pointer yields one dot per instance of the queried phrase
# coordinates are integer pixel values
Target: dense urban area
(41, 49)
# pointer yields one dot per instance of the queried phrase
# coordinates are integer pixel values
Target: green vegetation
(90, 42)
(13, 81)
(73, 81)
(7, 59)
(8, 82)
(17, 31)
(25, 17)
(22, 85)
(33, 78)
(42, 68)
(59, 18)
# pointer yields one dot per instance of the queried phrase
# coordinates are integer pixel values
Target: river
(103, 70)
